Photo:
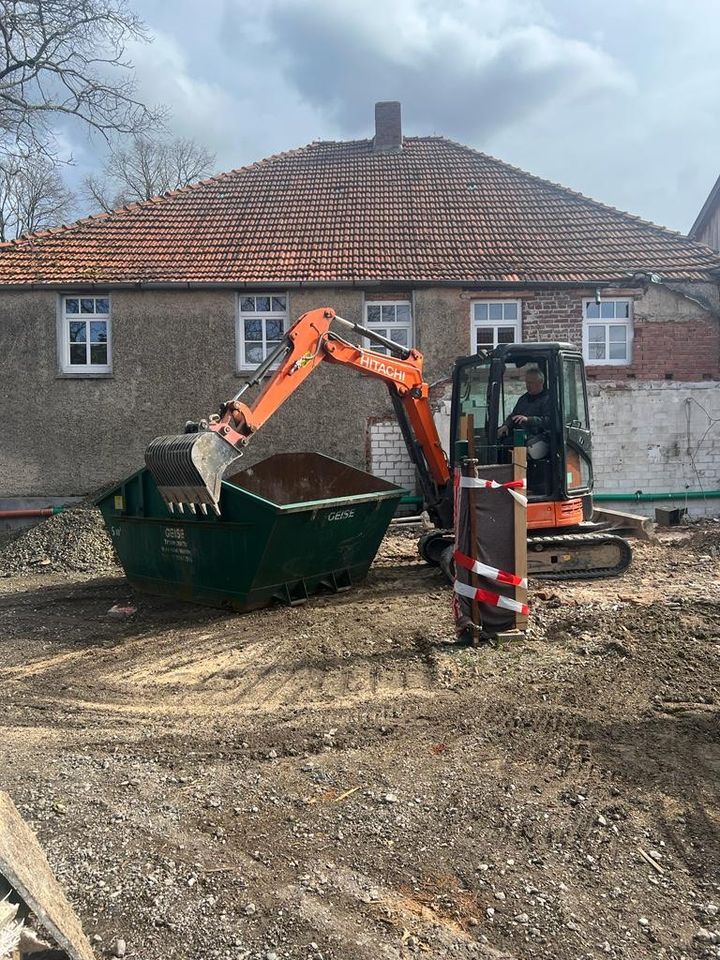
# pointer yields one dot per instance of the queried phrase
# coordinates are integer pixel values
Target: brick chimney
(388, 127)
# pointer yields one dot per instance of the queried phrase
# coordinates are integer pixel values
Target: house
(121, 326)
(706, 228)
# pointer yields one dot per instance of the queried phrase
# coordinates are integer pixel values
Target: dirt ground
(341, 781)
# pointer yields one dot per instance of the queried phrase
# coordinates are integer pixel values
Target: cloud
(219, 80)
(616, 99)
(466, 73)
(199, 108)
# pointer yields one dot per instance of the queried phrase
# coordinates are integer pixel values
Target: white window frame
(64, 342)
(607, 322)
(494, 324)
(243, 364)
(385, 327)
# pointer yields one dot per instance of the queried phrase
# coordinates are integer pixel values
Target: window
(85, 335)
(607, 331)
(262, 322)
(494, 322)
(391, 319)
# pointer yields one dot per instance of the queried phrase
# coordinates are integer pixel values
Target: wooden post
(519, 460)
(471, 493)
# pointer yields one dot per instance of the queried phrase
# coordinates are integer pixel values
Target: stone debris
(73, 541)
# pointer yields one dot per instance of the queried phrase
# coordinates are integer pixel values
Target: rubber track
(577, 541)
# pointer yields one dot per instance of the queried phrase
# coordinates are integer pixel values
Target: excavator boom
(188, 468)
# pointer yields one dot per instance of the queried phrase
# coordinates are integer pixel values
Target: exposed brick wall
(553, 315)
(684, 350)
(673, 338)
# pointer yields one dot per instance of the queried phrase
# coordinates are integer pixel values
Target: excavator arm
(189, 468)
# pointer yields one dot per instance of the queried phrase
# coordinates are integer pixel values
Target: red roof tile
(435, 211)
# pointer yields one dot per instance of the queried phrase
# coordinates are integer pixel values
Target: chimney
(388, 127)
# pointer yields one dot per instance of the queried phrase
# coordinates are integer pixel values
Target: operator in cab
(532, 411)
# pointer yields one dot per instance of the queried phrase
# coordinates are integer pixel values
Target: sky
(617, 99)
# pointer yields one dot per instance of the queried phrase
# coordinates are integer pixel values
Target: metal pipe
(395, 348)
(284, 347)
(31, 512)
(641, 497)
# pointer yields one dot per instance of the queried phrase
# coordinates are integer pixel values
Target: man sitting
(532, 411)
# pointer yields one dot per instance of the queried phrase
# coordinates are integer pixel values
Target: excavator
(563, 542)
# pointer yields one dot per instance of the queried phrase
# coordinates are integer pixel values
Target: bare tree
(146, 168)
(33, 195)
(66, 58)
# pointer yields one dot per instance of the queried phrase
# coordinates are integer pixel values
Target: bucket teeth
(188, 468)
(203, 508)
(171, 506)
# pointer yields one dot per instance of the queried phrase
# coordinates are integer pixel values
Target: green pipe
(619, 497)
(641, 497)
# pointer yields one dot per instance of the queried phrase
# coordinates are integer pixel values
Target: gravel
(213, 785)
(73, 541)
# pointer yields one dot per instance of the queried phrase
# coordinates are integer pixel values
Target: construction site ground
(340, 780)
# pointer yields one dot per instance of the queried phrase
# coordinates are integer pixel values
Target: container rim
(318, 504)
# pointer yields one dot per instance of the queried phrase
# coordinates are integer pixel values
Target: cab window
(575, 410)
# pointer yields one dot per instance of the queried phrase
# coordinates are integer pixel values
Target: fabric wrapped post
(494, 548)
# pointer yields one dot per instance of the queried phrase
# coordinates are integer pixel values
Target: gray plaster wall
(442, 328)
(173, 359)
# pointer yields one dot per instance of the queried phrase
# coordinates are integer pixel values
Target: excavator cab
(563, 543)
(486, 388)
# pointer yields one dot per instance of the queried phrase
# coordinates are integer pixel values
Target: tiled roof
(435, 211)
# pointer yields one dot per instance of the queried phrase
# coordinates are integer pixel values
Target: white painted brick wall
(653, 436)
(388, 455)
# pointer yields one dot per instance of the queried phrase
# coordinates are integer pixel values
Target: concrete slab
(24, 865)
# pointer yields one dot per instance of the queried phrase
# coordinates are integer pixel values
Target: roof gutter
(324, 284)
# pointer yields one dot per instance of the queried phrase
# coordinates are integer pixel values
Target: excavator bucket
(188, 469)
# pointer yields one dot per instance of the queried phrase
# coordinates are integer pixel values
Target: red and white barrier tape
(494, 599)
(492, 573)
(512, 486)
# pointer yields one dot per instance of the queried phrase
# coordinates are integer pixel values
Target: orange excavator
(188, 468)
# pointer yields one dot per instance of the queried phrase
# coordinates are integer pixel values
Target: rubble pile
(75, 540)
